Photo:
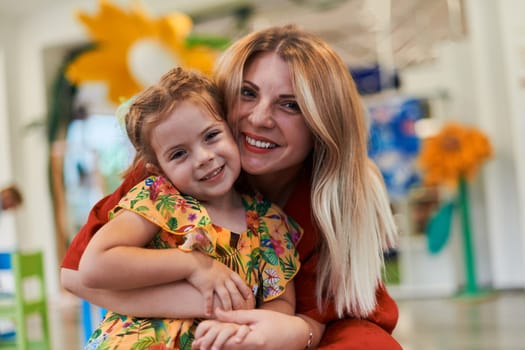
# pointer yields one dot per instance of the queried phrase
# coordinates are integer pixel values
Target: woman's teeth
(259, 144)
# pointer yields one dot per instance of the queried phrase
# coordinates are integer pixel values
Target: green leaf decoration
(438, 227)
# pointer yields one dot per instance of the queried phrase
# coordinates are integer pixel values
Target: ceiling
(362, 31)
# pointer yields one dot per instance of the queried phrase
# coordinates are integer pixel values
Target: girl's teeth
(213, 174)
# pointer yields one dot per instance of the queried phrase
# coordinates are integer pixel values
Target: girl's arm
(115, 259)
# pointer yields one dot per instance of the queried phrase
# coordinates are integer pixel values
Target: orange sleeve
(98, 216)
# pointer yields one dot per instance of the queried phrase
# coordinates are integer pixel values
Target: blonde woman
(300, 127)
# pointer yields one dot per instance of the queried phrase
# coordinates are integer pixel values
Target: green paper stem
(468, 252)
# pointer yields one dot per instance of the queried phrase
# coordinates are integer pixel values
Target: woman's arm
(179, 299)
(285, 303)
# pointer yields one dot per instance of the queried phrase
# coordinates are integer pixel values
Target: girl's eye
(177, 154)
(292, 106)
(211, 135)
(247, 92)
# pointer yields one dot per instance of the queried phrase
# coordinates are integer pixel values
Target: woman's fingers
(242, 332)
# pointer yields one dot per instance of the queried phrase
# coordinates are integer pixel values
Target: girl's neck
(227, 211)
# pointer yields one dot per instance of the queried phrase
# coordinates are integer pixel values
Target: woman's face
(272, 134)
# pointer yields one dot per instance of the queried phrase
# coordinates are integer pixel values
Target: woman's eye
(292, 106)
(247, 92)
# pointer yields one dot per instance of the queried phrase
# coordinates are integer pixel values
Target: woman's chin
(255, 166)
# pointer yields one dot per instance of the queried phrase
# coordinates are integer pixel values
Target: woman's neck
(276, 187)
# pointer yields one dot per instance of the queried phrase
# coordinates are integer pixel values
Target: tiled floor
(496, 322)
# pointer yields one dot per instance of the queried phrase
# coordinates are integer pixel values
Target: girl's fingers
(205, 335)
(224, 296)
(225, 333)
(241, 285)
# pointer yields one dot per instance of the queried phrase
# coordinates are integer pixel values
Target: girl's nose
(262, 115)
(204, 156)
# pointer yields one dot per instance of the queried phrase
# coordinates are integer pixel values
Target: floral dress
(264, 256)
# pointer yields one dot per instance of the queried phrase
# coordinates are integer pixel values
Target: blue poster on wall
(394, 144)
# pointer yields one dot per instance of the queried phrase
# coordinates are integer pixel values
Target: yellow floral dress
(264, 255)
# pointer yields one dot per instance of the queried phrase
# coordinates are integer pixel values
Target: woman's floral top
(264, 256)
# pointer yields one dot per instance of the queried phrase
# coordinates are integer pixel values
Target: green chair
(26, 268)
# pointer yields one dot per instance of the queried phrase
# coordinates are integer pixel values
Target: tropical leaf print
(173, 224)
(165, 204)
(205, 220)
(186, 339)
(289, 267)
(269, 256)
(144, 343)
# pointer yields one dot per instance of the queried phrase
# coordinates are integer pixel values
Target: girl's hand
(214, 334)
(213, 278)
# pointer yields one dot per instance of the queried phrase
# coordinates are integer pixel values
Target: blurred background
(420, 65)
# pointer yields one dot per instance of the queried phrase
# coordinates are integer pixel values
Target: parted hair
(350, 205)
(154, 104)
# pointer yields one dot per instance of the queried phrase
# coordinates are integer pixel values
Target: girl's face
(196, 152)
(273, 137)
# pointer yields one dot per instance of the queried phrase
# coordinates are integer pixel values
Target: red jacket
(371, 333)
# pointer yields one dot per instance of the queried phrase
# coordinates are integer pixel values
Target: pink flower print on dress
(197, 240)
(181, 204)
(277, 247)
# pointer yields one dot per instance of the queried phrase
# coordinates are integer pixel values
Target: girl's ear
(153, 169)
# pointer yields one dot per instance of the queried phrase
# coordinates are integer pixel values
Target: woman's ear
(153, 169)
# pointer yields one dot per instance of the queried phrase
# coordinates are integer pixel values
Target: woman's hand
(213, 278)
(268, 330)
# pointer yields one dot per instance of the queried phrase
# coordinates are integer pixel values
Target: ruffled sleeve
(278, 235)
(159, 202)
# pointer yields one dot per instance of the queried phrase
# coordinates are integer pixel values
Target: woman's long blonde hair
(349, 202)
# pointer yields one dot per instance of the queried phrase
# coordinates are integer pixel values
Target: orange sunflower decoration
(125, 42)
(452, 157)
(455, 152)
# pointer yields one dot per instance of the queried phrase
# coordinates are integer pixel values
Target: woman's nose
(262, 115)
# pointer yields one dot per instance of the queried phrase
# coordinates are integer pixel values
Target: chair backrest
(26, 265)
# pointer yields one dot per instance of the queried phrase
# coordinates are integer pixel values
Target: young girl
(179, 135)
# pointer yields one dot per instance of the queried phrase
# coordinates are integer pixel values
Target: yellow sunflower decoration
(132, 50)
(455, 152)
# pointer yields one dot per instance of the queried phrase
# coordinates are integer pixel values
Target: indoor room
(437, 92)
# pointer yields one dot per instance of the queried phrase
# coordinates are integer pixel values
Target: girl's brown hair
(154, 104)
